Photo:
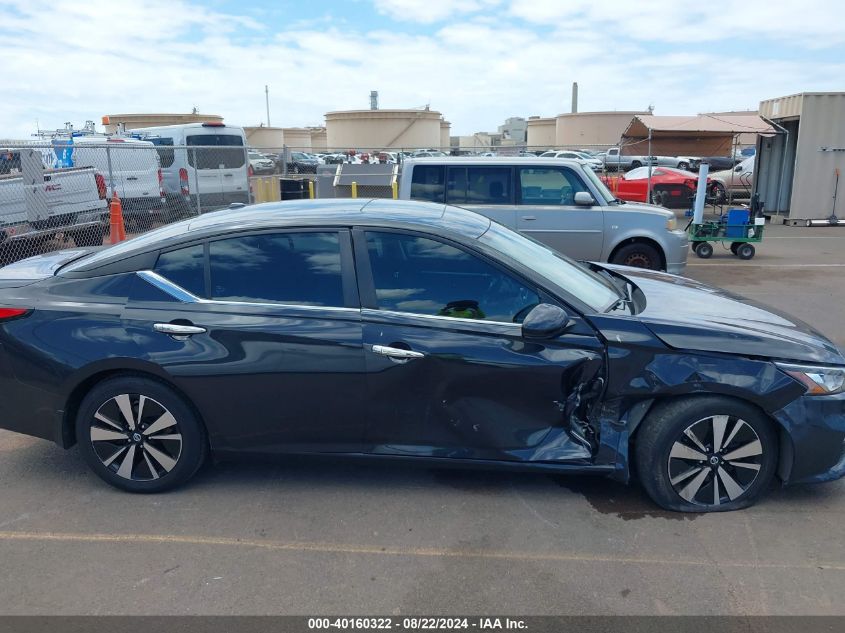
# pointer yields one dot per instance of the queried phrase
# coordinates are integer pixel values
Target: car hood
(643, 206)
(686, 314)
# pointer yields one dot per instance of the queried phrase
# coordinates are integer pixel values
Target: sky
(476, 61)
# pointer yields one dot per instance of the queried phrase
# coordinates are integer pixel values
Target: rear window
(165, 155)
(217, 151)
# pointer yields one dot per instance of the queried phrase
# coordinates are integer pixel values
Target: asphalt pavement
(299, 536)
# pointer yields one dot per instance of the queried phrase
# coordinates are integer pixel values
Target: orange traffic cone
(117, 229)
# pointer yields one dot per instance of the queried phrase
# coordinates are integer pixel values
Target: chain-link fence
(59, 193)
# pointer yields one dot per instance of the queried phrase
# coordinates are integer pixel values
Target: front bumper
(677, 250)
(814, 450)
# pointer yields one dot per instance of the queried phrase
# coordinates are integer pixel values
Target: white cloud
(815, 23)
(430, 11)
(66, 60)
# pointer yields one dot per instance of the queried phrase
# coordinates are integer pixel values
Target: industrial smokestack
(574, 97)
(373, 99)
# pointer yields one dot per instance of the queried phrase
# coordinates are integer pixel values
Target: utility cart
(740, 228)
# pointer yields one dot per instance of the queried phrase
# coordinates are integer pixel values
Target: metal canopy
(702, 125)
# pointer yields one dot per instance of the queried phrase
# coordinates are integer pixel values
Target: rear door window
(479, 185)
(216, 151)
(300, 268)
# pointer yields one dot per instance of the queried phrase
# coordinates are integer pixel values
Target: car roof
(491, 160)
(440, 219)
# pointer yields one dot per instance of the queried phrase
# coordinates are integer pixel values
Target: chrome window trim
(372, 312)
(167, 286)
(178, 292)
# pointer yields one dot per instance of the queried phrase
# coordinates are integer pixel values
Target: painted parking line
(375, 550)
(733, 262)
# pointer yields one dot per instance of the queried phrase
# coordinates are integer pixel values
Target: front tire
(139, 435)
(706, 454)
(638, 255)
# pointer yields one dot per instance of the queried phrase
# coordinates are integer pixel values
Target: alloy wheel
(715, 460)
(638, 260)
(136, 437)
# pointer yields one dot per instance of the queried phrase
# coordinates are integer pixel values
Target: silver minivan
(559, 202)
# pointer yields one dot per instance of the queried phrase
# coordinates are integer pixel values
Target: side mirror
(545, 321)
(738, 168)
(584, 199)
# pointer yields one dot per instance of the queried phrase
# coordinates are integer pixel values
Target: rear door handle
(177, 330)
(529, 217)
(395, 352)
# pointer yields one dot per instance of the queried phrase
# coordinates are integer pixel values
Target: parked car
(669, 187)
(443, 338)
(685, 163)
(614, 160)
(131, 169)
(261, 164)
(592, 162)
(203, 164)
(560, 202)
(427, 153)
(734, 183)
(716, 163)
(299, 163)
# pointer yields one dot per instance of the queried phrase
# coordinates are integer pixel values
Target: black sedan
(409, 330)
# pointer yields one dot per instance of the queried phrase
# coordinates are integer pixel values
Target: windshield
(585, 285)
(603, 191)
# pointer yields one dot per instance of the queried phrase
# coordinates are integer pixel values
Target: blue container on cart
(737, 221)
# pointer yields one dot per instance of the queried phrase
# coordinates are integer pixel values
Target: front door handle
(529, 217)
(395, 352)
(177, 330)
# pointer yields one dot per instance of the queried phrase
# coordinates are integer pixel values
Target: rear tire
(706, 454)
(139, 435)
(745, 251)
(638, 255)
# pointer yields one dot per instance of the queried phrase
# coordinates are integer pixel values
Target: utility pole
(267, 100)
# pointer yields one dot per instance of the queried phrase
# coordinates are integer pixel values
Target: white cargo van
(209, 159)
(130, 168)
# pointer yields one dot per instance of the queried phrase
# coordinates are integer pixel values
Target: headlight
(820, 381)
(671, 224)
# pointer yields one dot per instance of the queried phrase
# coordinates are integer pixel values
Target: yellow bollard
(395, 186)
(311, 189)
(354, 189)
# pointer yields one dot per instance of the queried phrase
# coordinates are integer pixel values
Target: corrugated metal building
(795, 172)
